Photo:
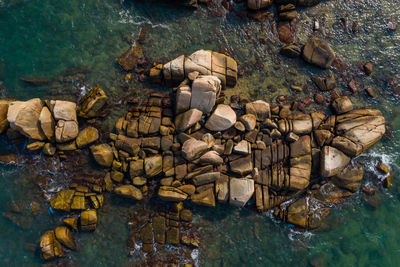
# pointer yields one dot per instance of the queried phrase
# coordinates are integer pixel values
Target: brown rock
(65, 237)
(50, 247)
(318, 52)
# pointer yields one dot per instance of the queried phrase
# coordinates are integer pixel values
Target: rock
(88, 220)
(129, 59)
(392, 24)
(193, 149)
(347, 146)
(129, 191)
(291, 51)
(209, 139)
(46, 123)
(72, 222)
(65, 237)
(371, 92)
(258, 4)
(242, 148)
(368, 68)
(333, 161)
(35, 146)
(66, 131)
(139, 181)
(249, 121)
(87, 136)
(323, 137)
(349, 178)
(260, 109)
(182, 100)
(287, 31)
(222, 188)
(205, 178)
(92, 103)
(3, 115)
(204, 198)
(211, 157)
(186, 215)
(173, 236)
(205, 90)
(221, 119)
(188, 189)
(62, 201)
(241, 191)
(329, 193)
(342, 105)
(169, 193)
(24, 117)
(63, 110)
(159, 228)
(292, 137)
(241, 166)
(153, 165)
(382, 168)
(318, 52)
(297, 213)
(49, 149)
(50, 247)
(103, 154)
(187, 119)
(155, 75)
(69, 146)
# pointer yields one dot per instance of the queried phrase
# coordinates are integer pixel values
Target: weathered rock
(329, 193)
(46, 122)
(242, 148)
(249, 121)
(260, 109)
(188, 189)
(349, 178)
(221, 119)
(222, 188)
(241, 166)
(92, 103)
(62, 201)
(3, 115)
(347, 146)
(24, 117)
(241, 191)
(318, 52)
(65, 237)
(66, 131)
(88, 220)
(333, 161)
(187, 119)
(63, 110)
(159, 228)
(205, 90)
(153, 165)
(258, 4)
(211, 157)
(87, 136)
(204, 198)
(323, 137)
(193, 149)
(342, 105)
(72, 222)
(129, 191)
(183, 97)
(173, 236)
(169, 193)
(287, 31)
(103, 154)
(50, 247)
(205, 178)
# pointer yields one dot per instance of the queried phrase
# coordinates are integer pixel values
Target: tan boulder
(92, 103)
(153, 165)
(240, 191)
(66, 131)
(342, 105)
(62, 201)
(349, 178)
(23, 116)
(103, 154)
(182, 99)
(87, 136)
(46, 122)
(205, 90)
(260, 109)
(65, 237)
(88, 220)
(50, 247)
(187, 119)
(221, 119)
(333, 161)
(193, 149)
(129, 191)
(63, 110)
(204, 198)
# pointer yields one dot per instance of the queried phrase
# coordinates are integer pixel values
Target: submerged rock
(128, 60)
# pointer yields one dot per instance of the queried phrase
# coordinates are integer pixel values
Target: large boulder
(187, 119)
(221, 119)
(88, 220)
(153, 165)
(103, 154)
(63, 110)
(260, 109)
(205, 90)
(204, 198)
(342, 105)
(92, 103)
(66, 131)
(23, 116)
(129, 191)
(193, 149)
(333, 161)
(206, 178)
(241, 166)
(318, 52)
(241, 191)
(182, 98)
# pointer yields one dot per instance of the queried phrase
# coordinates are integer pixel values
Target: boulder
(221, 119)
(129, 191)
(193, 149)
(205, 90)
(87, 136)
(88, 220)
(169, 193)
(242, 148)
(342, 105)
(241, 190)
(63, 110)
(187, 119)
(182, 99)
(241, 166)
(24, 117)
(259, 4)
(287, 31)
(92, 103)
(65, 237)
(50, 247)
(103, 154)
(349, 178)
(3, 115)
(222, 188)
(318, 52)
(153, 165)
(66, 131)
(211, 157)
(260, 109)
(329, 193)
(333, 161)
(174, 71)
(204, 198)
(62, 201)
(46, 122)
(205, 178)
(249, 121)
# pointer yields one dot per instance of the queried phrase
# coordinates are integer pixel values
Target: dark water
(45, 38)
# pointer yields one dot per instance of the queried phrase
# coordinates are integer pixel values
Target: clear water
(44, 38)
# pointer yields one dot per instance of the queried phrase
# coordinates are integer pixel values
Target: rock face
(221, 119)
(318, 52)
(24, 117)
(241, 190)
(92, 103)
(204, 62)
(333, 161)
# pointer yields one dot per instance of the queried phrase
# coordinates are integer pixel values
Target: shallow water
(44, 38)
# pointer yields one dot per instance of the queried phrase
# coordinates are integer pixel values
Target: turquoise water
(47, 38)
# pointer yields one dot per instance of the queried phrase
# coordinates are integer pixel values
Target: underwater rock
(318, 52)
(129, 59)
(349, 178)
(62, 201)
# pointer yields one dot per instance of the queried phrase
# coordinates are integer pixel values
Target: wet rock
(50, 247)
(88, 220)
(129, 59)
(371, 92)
(72, 222)
(46, 122)
(188, 189)
(318, 52)
(153, 165)
(221, 119)
(368, 68)
(323, 137)
(211, 157)
(206, 178)
(329, 193)
(204, 198)
(139, 181)
(342, 105)
(319, 99)
(193, 149)
(241, 166)
(129, 191)
(187, 119)
(258, 4)
(173, 236)
(3, 115)
(103, 154)
(92, 103)
(65, 237)
(205, 90)
(350, 178)
(24, 117)
(333, 161)
(373, 201)
(87, 136)
(287, 31)
(325, 84)
(159, 228)
(241, 191)
(169, 193)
